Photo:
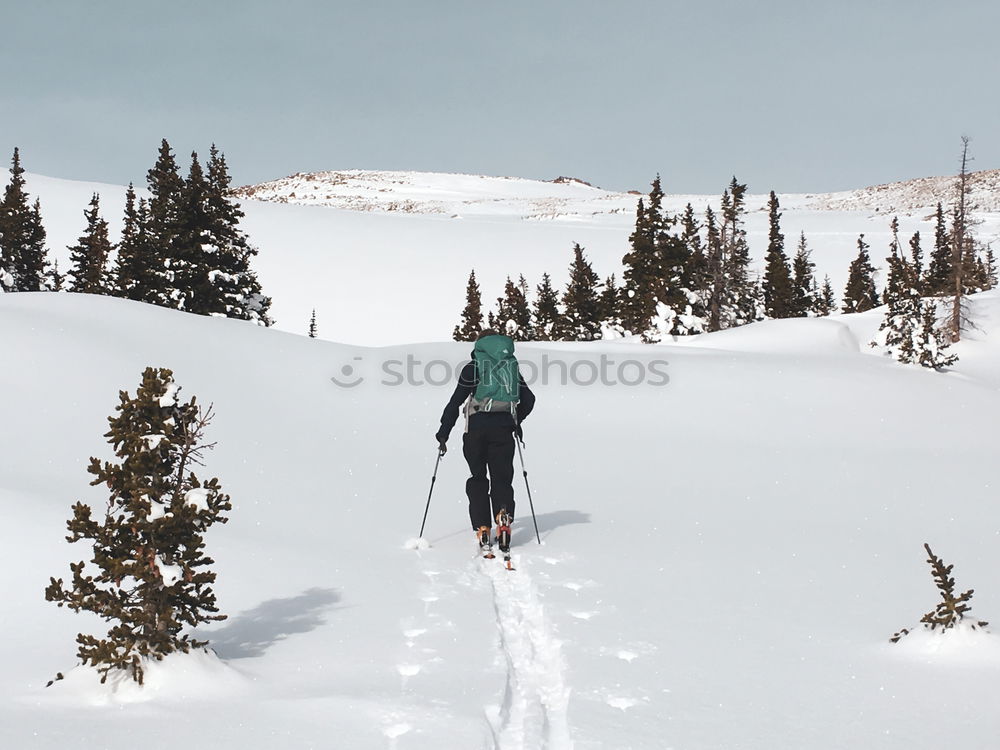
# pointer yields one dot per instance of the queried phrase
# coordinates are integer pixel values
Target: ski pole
(433, 479)
(530, 503)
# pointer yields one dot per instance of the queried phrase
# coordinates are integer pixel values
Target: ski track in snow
(536, 696)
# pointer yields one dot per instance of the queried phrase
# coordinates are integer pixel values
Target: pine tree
(472, 315)
(547, 315)
(581, 301)
(642, 271)
(961, 246)
(610, 304)
(860, 294)
(826, 302)
(952, 609)
(90, 255)
(779, 293)
(312, 325)
(513, 314)
(138, 272)
(56, 280)
(191, 245)
(939, 272)
(23, 260)
(162, 227)
(930, 348)
(715, 274)
(804, 293)
(902, 304)
(233, 289)
(741, 298)
(990, 268)
(152, 575)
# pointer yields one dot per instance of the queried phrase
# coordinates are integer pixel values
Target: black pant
(489, 448)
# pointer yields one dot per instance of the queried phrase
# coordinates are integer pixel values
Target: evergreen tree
(513, 314)
(547, 316)
(90, 255)
(939, 272)
(779, 292)
(312, 325)
(472, 316)
(138, 272)
(917, 264)
(952, 609)
(804, 292)
(22, 237)
(714, 262)
(826, 302)
(152, 575)
(56, 280)
(233, 289)
(162, 228)
(610, 301)
(581, 301)
(741, 299)
(189, 254)
(642, 270)
(902, 304)
(860, 294)
(930, 348)
(990, 268)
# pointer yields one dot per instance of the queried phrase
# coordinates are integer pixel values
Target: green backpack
(499, 386)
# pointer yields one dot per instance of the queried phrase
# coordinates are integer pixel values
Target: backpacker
(498, 378)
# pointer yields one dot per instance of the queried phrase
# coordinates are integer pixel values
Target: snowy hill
(726, 549)
(394, 250)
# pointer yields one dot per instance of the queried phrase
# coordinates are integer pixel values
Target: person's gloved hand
(442, 447)
(519, 432)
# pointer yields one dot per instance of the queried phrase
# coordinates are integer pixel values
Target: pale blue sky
(788, 95)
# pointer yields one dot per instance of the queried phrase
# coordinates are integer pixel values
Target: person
(490, 428)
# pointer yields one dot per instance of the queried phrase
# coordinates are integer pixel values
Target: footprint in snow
(396, 730)
(621, 702)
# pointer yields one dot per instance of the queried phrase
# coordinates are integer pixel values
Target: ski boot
(503, 535)
(485, 545)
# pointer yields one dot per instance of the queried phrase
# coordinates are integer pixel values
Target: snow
(198, 498)
(725, 551)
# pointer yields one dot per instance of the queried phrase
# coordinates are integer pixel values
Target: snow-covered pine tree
(642, 268)
(896, 334)
(804, 288)
(952, 609)
(742, 301)
(513, 315)
(162, 226)
(23, 259)
(312, 325)
(581, 300)
(547, 316)
(932, 342)
(149, 575)
(779, 292)
(56, 280)
(233, 287)
(91, 254)
(826, 301)
(472, 315)
(860, 293)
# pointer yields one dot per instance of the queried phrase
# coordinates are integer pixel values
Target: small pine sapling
(149, 576)
(952, 609)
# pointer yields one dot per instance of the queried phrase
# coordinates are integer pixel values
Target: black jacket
(467, 382)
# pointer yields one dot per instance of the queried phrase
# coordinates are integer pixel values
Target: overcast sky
(790, 95)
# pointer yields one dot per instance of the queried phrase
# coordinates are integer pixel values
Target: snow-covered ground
(727, 546)
(732, 524)
(383, 257)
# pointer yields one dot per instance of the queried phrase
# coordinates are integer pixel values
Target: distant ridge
(568, 197)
